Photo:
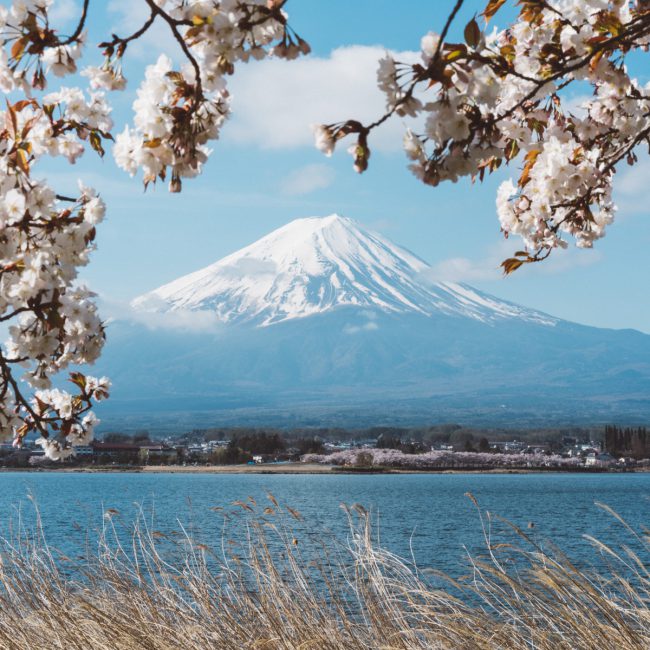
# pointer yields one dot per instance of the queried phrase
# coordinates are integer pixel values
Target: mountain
(315, 265)
(323, 322)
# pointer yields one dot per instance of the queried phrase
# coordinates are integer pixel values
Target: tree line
(628, 441)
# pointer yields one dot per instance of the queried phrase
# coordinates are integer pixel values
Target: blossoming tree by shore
(493, 99)
(45, 237)
(440, 459)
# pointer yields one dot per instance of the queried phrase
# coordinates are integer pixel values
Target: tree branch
(181, 41)
(123, 42)
(445, 29)
(82, 21)
(9, 378)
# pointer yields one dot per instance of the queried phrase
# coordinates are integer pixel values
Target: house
(605, 459)
(594, 459)
(157, 454)
(116, 452)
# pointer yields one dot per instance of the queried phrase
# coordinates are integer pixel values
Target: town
(436, 448)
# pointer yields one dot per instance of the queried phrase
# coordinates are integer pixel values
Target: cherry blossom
(45, 237)
(441, 459)
(499, 98)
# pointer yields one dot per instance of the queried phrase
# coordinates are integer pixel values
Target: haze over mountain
(324, 322)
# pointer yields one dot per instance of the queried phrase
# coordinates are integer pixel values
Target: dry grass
(268, 592)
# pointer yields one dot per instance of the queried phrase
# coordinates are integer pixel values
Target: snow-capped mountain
(313, 265)
(324, 322)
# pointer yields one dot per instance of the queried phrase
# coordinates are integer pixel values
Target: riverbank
(309, 468)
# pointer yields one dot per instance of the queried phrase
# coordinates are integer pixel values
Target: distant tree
(229, 455)
(260, 443)
(387, 441)
(483, 445)
(628, 441)
(308, 446)
(141, 438)
(212, 435)
(364, 459)
(460, 438)
(469, 446)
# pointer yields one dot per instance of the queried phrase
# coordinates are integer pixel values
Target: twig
(82, 21)
(173, 25)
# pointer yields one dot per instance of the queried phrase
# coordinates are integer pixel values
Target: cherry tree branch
(173, 26)
(18, 396)
(445, 30)
(80, 26)
(123, 42)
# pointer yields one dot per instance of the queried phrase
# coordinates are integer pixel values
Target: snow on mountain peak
(315, 264)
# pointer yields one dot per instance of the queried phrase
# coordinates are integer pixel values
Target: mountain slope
(314, 265)
(333, 368)
(322, 322)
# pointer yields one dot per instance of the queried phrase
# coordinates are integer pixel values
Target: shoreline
(303, 468)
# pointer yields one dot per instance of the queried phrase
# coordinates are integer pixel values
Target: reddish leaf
(18, 48)
(510, 265)
(492, 7)
(472, 33)
(530, 159)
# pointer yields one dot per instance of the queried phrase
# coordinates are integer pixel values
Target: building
(158, 454)
(116, 452)
(594, 459)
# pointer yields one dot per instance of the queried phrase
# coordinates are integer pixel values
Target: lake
(425, 516)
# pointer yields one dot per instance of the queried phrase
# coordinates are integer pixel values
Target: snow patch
(317, 264)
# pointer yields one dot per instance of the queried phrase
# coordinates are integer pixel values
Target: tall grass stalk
(265, 590)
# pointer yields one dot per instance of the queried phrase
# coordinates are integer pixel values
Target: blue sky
(265, 172)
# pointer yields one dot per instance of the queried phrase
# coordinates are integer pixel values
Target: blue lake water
(423, 514)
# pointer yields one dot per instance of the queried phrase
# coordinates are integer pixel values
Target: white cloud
(631, 188)
(369, 325)
(158, 39)
(150, 317)
(120, 185)
(463, 269)
(275, 102)
(366, 327)
(63, 12)
(487, 268)
(308, 179)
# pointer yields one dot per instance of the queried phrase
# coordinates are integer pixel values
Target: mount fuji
(324, 322)
(316, 265)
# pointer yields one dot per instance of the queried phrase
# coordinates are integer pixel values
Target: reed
(266, 590)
